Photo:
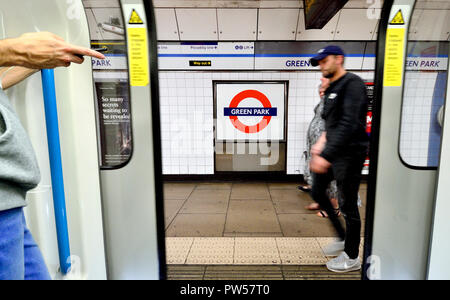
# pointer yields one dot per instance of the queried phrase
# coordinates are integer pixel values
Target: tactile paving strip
(211, 251)
(260, 251)
(247, 251)
(177, 249)
(300, 251)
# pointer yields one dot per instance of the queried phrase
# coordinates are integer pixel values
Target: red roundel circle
(250, 94)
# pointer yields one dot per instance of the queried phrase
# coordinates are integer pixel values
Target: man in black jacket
(340, 154)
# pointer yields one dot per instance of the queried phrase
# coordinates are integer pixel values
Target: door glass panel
(424, 85)
(111, 80)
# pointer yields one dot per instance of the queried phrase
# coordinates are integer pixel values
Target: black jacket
(345, 114)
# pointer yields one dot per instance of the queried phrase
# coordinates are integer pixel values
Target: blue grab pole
(54, 149)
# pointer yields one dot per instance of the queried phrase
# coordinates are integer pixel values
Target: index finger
(87, 52)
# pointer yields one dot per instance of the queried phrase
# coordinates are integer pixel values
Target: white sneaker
(334, 249)
(343, 263)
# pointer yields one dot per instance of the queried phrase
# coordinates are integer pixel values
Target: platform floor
(259, 209)
(235, 230)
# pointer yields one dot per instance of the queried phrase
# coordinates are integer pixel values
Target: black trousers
(347, 172)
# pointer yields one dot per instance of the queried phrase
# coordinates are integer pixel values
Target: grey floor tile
(178, 191)
(283, 186)
(251, 216)
(210, 195)
(305, 225)
(250, 191)
(193, 225)
(207, 201)
(171, 208)
(214, 186)
(290, 201)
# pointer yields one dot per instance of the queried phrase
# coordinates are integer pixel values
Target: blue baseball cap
(324, 52)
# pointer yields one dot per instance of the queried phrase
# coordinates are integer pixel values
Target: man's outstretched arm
(42, 50)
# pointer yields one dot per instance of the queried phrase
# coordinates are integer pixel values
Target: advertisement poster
(114, 119)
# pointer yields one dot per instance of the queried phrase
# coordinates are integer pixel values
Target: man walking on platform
(340, 153)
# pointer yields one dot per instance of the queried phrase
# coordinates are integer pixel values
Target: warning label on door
(398, 19)
(135, 18)
(394, 60)
(138, 54)
(137, 45)
(393, 63)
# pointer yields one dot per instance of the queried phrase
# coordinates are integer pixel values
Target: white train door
(129, 137)
(411, 82)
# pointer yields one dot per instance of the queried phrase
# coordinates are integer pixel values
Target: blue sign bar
(249, 111)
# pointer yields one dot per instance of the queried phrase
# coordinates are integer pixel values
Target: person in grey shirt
(20, 257)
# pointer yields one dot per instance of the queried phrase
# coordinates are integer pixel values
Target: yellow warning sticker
(398, 19)
(394, 51)
(138, 56)
(135, 18)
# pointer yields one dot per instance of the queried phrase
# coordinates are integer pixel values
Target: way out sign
(250, 111)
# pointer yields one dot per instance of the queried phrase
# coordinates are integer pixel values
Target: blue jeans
(20, 257)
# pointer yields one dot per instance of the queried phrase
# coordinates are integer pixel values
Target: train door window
(425, 84)
(111, 82)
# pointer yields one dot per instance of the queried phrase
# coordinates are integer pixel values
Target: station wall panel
(269, 24)
(356, 24)
(197, 24)
(237, 24)
(277, 24)
(430, 25)
(166, 24)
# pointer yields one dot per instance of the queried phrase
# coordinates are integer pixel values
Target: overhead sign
(206, 56)
(299, 62)
(111, 62)
(250, 111)
(417, 63)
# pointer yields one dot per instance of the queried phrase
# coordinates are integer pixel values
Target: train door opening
(231, 188)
